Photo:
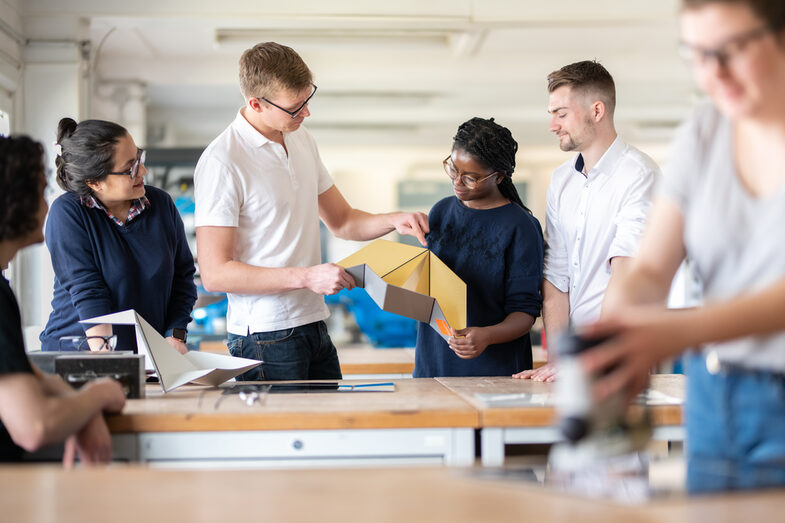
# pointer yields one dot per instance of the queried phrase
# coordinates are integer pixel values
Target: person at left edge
(39, 409)
(115, 242)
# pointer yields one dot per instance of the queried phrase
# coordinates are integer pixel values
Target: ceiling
(404, 72)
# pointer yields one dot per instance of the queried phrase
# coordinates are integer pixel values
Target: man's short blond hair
(268, 68)
(589, 78)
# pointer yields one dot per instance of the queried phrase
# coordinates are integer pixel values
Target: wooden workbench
(36, 493)
(535, 424)
(421, 419)
(415, 403)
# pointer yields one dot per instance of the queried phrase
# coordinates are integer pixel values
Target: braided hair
(493, 145)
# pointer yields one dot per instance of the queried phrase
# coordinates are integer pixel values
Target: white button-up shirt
(246, 181)
(592, 218)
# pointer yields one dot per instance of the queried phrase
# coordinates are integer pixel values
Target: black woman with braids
(493, 243)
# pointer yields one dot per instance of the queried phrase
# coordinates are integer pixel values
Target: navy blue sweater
(101, 267)
(498, 253)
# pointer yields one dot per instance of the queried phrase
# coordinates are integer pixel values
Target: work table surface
(509, 416)
(415, 403)
(118, 493)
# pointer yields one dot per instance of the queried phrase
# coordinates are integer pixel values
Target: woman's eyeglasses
(105, 343)
(723, 54)
(470, 180)
(134, 170)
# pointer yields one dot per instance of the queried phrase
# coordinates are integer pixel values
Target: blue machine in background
(383, 329)
(210, 320)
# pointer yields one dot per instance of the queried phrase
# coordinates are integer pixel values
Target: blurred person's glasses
(470, 180)
(295, 112)
(104, 343)
(724, 53)
(141, 155)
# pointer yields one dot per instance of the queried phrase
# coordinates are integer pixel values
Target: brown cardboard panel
(410, 281)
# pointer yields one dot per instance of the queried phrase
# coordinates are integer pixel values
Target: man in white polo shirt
(597, 202)
(260, 190)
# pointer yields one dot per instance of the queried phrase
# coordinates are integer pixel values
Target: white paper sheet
(175, 369)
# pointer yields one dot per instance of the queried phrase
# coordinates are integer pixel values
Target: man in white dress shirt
(597, 202)
(260, 190)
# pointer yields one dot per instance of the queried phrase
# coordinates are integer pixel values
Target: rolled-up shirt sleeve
(630, 221)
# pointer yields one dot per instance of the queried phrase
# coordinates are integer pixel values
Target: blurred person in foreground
(38, 409)
(721, 205)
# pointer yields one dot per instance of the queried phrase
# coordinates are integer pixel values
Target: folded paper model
(175, 369)
(412, 282)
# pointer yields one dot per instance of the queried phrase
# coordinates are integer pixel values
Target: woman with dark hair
(493, 243)
(721, 204)
(38, 409)
(115, 243)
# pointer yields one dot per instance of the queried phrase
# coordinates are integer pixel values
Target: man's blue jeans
(300, 353)
(735, 428)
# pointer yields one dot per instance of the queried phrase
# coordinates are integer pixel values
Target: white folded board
(175, 369)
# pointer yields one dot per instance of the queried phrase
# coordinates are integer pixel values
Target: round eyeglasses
(469, 180)
(141, 155)
(85, 343)
(725, 53)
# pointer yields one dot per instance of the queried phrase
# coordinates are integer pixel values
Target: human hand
(93, 444)
(634, 345)
(109, 391)
(547, 373)
(413, 224)
(181, 347)
(468, 343)
(328, 278)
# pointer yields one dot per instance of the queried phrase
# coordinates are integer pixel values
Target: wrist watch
(180, 334)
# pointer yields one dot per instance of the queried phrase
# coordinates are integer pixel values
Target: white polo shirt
(591, 219)
(246, 181)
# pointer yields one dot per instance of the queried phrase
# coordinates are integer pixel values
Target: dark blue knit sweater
(101, 267)
(498, 253)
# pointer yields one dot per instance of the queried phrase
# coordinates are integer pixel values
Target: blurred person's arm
(40, 410)
(647, 278)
